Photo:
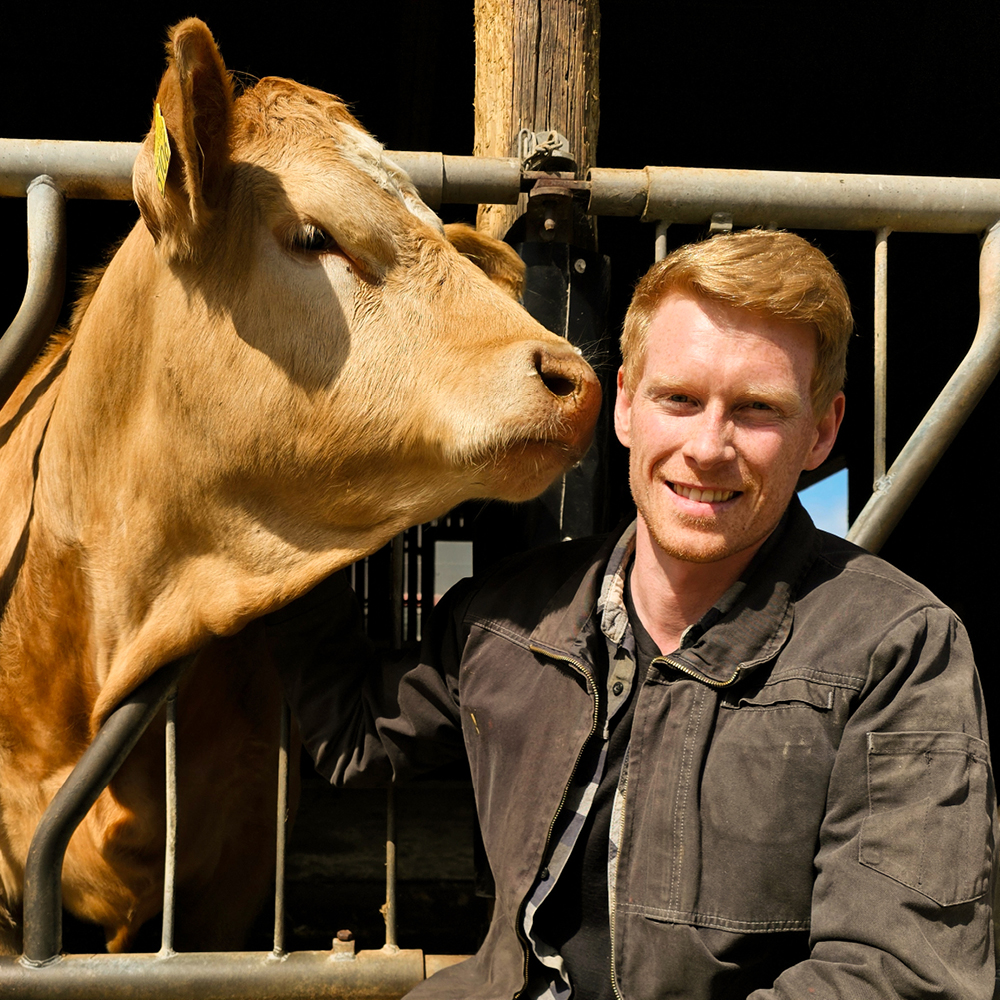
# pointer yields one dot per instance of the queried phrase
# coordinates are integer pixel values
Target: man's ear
(182, 167)
(826, 433)
(623, 411)
(497, 260)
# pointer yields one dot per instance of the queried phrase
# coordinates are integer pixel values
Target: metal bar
(43, 296)
(895, 491)
(675, 194)
(170, 851)
(414, 557)
(302, 975)
(660, 241)
(389, 910)
(82, 169)
(95, 769)
(881, 349)
(800, 200)
(281, 833)
(461, 180)
(397, 553)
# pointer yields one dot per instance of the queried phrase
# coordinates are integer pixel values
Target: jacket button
(544, 875)
(617, 688)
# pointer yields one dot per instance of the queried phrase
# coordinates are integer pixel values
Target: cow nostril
(557, 383)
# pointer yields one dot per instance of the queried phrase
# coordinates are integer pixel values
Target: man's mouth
(704, 496)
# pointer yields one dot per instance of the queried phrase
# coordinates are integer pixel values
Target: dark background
(874, 88)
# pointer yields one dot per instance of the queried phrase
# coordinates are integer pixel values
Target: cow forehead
(278, 118)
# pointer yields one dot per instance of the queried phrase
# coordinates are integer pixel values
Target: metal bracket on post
(548, 150)
(721, 222)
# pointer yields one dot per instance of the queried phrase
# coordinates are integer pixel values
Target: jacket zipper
(613, 901)
(578, 666)
(684, 668)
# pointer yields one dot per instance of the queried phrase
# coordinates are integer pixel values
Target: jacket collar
(747, 627)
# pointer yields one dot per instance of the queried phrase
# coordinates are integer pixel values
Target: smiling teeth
(705, 496)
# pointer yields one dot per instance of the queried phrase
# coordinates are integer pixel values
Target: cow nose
(561, 376)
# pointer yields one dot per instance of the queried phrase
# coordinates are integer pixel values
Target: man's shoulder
(852, 603)
(528, 586)
(841, 567)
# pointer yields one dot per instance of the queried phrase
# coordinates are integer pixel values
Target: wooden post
(536, 68)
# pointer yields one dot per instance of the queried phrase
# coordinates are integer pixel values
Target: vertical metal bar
(43, 296)
(396, 582)
(93, 772)
(965, 388)
(660, 245)
(281, 828)
(389, 910)
(881, 350)
(397, 577)
(170, 851)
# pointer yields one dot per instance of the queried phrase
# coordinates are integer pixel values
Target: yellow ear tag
(161, 148)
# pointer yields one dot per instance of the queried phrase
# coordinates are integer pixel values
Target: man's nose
(710, 442)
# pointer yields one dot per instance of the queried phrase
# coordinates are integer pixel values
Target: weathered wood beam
(536, 68)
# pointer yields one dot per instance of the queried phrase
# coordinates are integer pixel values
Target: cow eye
(309, 238)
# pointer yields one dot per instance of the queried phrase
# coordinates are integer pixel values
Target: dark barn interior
(833, 87)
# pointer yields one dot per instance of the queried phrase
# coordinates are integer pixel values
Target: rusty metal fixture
(554, 202)
(43, 296)
(370, 975)
(343, 945)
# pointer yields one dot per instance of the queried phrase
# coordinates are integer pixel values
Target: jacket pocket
(783, 693)
(926, 826)
(761, 802)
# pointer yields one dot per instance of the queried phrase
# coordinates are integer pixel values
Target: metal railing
(46, 172)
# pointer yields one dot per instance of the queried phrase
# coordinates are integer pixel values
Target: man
(719, 754)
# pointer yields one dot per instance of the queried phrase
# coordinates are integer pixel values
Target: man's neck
(670, 594)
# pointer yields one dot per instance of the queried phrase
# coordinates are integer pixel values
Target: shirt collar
(611, 608)
(611, 603)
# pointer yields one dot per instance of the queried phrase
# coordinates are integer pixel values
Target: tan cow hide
(284, 365)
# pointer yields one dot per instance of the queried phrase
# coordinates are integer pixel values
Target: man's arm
(902, 898)
(361, 721)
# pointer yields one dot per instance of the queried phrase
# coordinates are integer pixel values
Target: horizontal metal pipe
(461, 180)
(43, 296)
(81, 169)
(800, 200)
(673, 194)
(301, 975)
(95, 769)
(896, 490)
(104, 170)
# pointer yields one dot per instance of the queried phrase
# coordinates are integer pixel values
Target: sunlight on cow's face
(356, 328)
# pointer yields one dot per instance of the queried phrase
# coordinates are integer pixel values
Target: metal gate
(48, 172)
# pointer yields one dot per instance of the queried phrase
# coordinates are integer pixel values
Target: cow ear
(499, 262)
(182, 168)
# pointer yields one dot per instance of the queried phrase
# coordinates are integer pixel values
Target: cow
(286, 362)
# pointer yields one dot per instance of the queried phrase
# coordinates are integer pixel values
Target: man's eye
(309, 238)
(757, 405)
(679, 397)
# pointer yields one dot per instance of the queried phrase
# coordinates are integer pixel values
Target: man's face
(719, 427)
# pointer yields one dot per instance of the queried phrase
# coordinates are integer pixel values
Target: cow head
(302, 364)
